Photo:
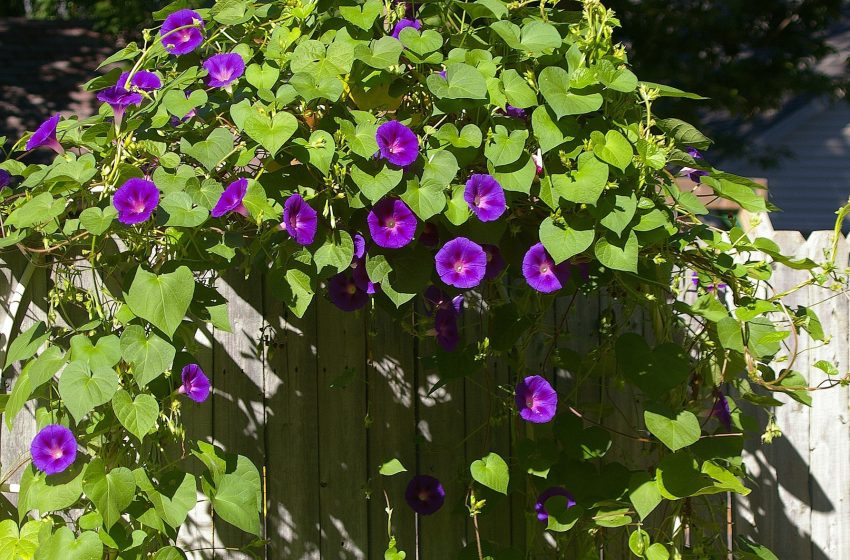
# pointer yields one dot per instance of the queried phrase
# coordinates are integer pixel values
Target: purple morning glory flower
(536, 400)
(391, 223)
(53, 449)
(514, 112)
(143, 80)
(461, 263)
(541, 272)
(694, 174)
(721, 410)
(442, 74)
(495, 262)
(359, 247)
(345, 293)
(223, 69)
(300, 220)
(5, 178)
(445, 328)
(45, 135)
(194, 383)
(404, 24)
(485, 197)
(361, 277)
(231, 199)
(135, 201)
(424, 494)
(540, 506)
(710, 287)
(397, 144)
(185, 40)
(436, 299)
(430, 236)
(119, 99)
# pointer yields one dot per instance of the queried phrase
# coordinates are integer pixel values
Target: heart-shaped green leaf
(503, 147)
(110, 491)
(336, 252)
(212, 151)
(149, 354)
(426, 199)
(612, 148)
(19, 545)
(491, 471)
(319, 150)
(271, 131)
(583, 186)
(137, 415)
(62, 544)
(182, 211)
(566, 238)
(675, 430)
(162, 299)
(462, 81)
(82, 389)
(97, 220)
(554, 83)
(618, 253)
(383, 53)
(178, 104)
(375, 180)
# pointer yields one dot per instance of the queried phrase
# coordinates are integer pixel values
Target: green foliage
(130, 301)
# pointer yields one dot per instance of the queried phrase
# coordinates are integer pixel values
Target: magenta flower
(694, 174)
(540, 506)
(445, 328)
(231, 199)
(542, 273)
(721, 410)
(461, 263)
(135, 201)
(300, 220)
(45, 135)
(186, 40)
(495, 262)
(485, 197)
(5, 178)
(119, 99)
(194, 383)
(404, 24)
(223, 69)
(424, 494)
(143, 80)
(345, 293)
(536, 400)
(53, 449)
(397, 144)
(430, 236)
(391, 223)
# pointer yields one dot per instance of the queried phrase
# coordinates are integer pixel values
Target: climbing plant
(403, 157)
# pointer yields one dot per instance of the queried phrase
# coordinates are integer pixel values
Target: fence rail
(318, 403)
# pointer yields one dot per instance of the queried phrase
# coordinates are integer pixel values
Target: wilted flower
(299, 219)
(540, 506)
(391, 224)
(345, 293)
(45, 135)
(231, 199)
(119, 99)
(53, 449)
(495, 262)
(436, 299)
(721, 410)
(185, 40)
(404, 24)
(694, 174)
(195, 384)
(397, 144)
(424, 494)
(143, 80)
(223, 69)
(461, 263)
(445, 328)
(430, 235)
(485, 197)
(536, 400)
(361, 277)
(537, 158)
(135, 201)
(359, 247)
(514, 112)
(541, 272)
(5, 178)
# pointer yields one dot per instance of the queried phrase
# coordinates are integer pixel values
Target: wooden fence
(320, 402)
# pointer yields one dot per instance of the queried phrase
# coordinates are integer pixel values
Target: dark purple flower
(5, 178)
(540, 506)
(53, 449)
(391, 223)
(430, 236)
(445, 328)
(143, 80)
(194, 383)
(345, 293)
(397, 144)
(425, 494)
(461, 263)
(185, 40)
(536, 400)
(119, 99)
(721, 410)
(404, 24)
(135, 201)
(45, 135)
(542, 273)
(694, 174)
(514, 112)
(300, 220)
(495, 262)
(485, 197)
(223, 69)
(231, 199)
(436, 299)
(361, 277)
